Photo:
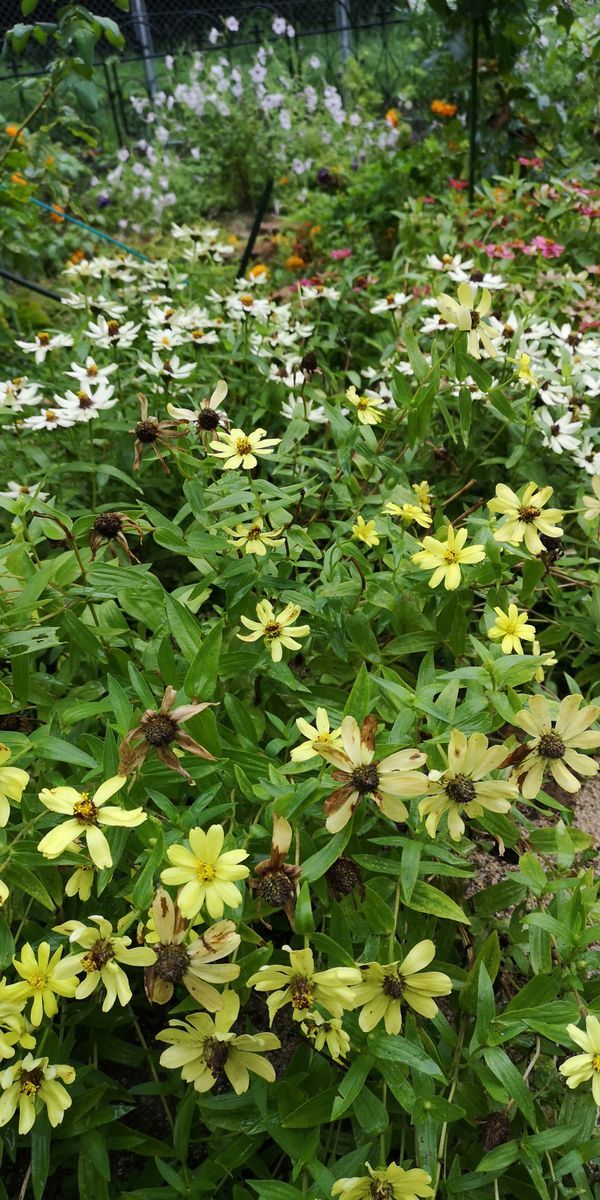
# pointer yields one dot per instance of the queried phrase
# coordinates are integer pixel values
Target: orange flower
(55, 214)
(295, 262)
(391, 117)
(283, 180)
(314, 230)
(232, 240)
(441, 108)
(18, 178)
(259, 271)
(77, 256)
(13, 131)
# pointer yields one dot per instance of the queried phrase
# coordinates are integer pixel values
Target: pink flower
(458, 184)
(427, 199)
(537, 163)
(544, 246)
(343, 253)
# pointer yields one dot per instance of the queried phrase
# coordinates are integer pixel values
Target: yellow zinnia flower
(523, 519)
(445, 558)
(462, 786)
(326, 1035)
(319, 734)
(365, 531)
(103, 951)
(32, 1079)
(360, 775)
(467, 315)
(382, 990)
(204, 1049)
(512, 627)
(253, 539)
(205, 874)
(408, 512)
(387, 1183)
(591, 510)
(524, 372)
(42, 981)
(582, 1067)
(424, 496)
(366, 406)
(87, 814)
(13, 782)
(239, 449)
(302, 987)
(278, 630)
(555, 745)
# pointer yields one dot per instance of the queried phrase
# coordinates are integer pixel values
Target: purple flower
(103, 199)
(232, 24)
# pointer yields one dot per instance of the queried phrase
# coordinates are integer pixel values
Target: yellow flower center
(205, 871)
(197, 333)
(363, 402)
(253, 533)
(450, 556)
(92, 371)
(30, 1082)
(243, 446)
(85, 811)
(272, 631)
(247, 300)
(596, 1062)
(50, 415)
(113, 328)
(38, 981)
(43, 338)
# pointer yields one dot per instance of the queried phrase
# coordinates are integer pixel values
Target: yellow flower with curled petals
(446, 558)
(100, 962)
(512, 627)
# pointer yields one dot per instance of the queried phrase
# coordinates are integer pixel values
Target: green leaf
(499, 1159)
(512, 1081)
(304, 916)
(351, 1085)
(201, 679)
(40, 1155)
(409, 869)
(59, 750)
(488, 956)
(357, 704)
(184, 627)
(273, 1190)
(320, 862)
(395, 1048)
(428, 899)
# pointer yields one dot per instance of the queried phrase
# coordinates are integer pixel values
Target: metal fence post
(344, 28)
(473, 106)
(143, 31)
